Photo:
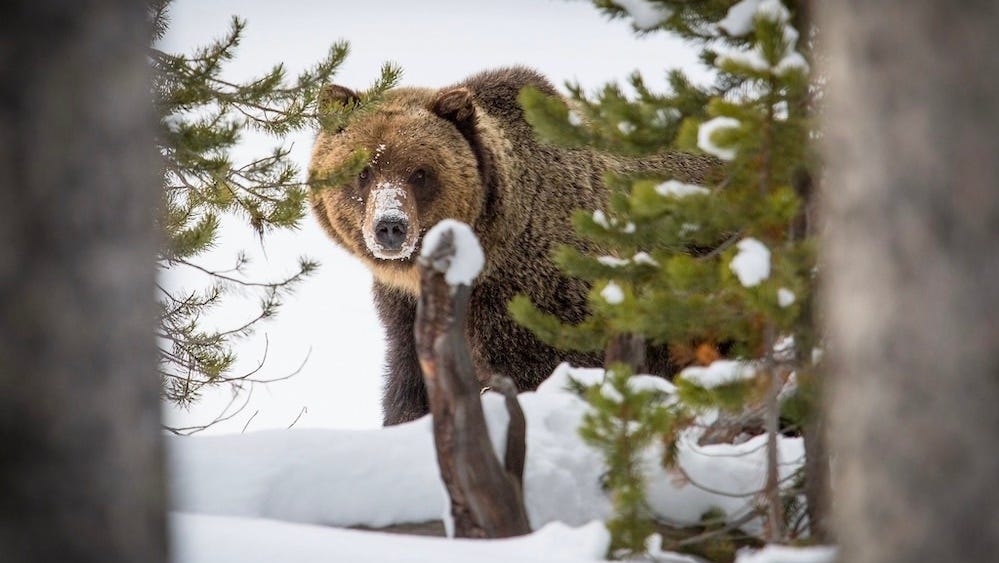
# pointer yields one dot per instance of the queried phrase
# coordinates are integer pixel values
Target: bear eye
(419, 176)
(364, 175)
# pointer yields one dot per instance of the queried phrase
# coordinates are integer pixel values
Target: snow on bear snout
(391, 227)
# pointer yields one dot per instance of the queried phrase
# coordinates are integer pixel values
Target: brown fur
(485, 168)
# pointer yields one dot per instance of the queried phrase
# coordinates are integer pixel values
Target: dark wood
(628, 349)
(516, 432)
(433, 528)
(911, 271)
(817, 489)
(80, 468)
(486, 498)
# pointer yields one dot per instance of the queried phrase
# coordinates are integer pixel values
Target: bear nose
(391, 233)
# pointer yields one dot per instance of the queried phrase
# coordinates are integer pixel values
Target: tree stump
(486, 497)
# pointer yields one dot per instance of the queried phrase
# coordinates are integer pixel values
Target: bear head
(422, 169)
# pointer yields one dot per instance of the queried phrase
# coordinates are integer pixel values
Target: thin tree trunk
(771, 489)
(80, 468)
(627, 349)
(912, 271)
(817, 493)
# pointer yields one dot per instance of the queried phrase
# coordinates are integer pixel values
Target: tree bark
(80, 472)
(912, 272)
(628, 349)
(817, 492)
(486, 498)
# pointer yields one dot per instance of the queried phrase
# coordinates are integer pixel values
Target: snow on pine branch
(755, 58)
(638, 258)
(785, 297)
(706, 141)
(644, 14)
(612, 293)
(674, 188)
(719, 373)
(752, 263)
(739, 19)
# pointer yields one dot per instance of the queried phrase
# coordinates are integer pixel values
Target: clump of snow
(781, 110)
(752, 263)
(601, 219)
(626, 127)
(644, 258)
(639, 258)
(787, 554)
(645, 15)
(791, 61)
(753, 58)
(708, 128)
(612, 261)
(739, 19)
(720, 372)
(784, 348)
(610, 393)
(688, 229)
(468, 256)
(651, 383)
(612, 293)
(665, 115)
(674, 188)
(200, 538)
(785, 297)
(774, 11)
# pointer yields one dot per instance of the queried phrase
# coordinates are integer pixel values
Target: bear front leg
(405, 396)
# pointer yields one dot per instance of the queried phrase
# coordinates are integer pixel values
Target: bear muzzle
(390, 233)
(390, 226)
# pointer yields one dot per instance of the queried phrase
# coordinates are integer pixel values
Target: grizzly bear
(466, 152)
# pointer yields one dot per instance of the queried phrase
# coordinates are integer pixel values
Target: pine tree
(723, 273)
(202, 118)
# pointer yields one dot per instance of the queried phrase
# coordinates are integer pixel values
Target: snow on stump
(486, 497)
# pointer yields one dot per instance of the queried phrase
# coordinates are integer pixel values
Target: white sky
(436, 43)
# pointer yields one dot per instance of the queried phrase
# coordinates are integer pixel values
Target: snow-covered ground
(199, 538)
(375, 478)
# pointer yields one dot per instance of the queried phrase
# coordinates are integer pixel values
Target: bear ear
(334, 95)
(454, 104)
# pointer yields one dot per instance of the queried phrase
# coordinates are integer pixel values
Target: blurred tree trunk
(80, 466)
(912, 272)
